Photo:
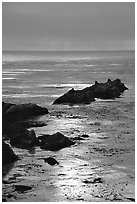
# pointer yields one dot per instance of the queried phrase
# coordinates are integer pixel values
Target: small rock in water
(96, 180)
(22, 188)
(51, 161)
(77, 138)
(85, 136)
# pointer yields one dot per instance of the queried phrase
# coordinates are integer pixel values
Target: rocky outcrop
(109, 90)
(8, 156)
(54, 142)
(16, 119)
(75, 97)
(13, 112)
(24, 140)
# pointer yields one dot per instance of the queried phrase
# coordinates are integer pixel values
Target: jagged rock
(18, 112)
(51, 161)
(54, 142)
(75, 97)
(109, 90)
(25, 140)
(16, 120)
(8, 156)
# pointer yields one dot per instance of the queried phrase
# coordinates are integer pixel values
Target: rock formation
(109, 90)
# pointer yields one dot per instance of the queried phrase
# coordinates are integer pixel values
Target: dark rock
(16, 120)
(54, 142)
(94, 181)
(51, 161)
(85, 136)
(22, 188)
(25, 140)
(8, 156)
(18, 112)
(75, 97)
(131, 199)
(109, 90)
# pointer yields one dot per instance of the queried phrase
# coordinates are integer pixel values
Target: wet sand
(100, 167)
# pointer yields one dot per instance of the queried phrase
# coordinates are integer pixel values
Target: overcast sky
(68, 26)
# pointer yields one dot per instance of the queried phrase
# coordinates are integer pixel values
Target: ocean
(97, 168)
(41, 77)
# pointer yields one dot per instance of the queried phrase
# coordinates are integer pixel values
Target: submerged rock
(54, 142)
(51, 161)
(109, 90)
(8, 155)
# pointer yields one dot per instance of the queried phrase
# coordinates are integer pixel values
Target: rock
(18, 112)
(51, 161)
(94, 181)
(109, 90)
(22, 188)
(25, 140)
(16, 120)
(75, 97)
(85, 136)
(54, 142)
(8, 156)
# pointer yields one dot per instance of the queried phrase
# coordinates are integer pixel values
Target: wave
(8, 78)
(29, 95)
(61, 86)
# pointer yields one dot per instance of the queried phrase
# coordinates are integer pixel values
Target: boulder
(18, 112)
(51, 161)
(8, 156)
(75, 97)
(54, 142)
(109, 90)
(25, 140)
(16, 119)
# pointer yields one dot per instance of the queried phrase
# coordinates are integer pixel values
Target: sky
(68, 26)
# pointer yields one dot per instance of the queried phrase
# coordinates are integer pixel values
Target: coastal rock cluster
(109, 90)
(17, 118)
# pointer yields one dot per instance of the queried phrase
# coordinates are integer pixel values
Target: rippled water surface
(41, 77)
(108, 151)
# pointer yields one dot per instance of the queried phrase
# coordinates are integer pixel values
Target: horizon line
(66, 50)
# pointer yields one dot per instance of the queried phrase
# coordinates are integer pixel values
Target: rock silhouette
(109, 90)
(18, 112)
(8, 156)
(54, 142)
(16, 119)
(51, 161)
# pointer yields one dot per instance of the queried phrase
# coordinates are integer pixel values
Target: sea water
(41, 77)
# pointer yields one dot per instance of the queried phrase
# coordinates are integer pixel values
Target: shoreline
(105, 154)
